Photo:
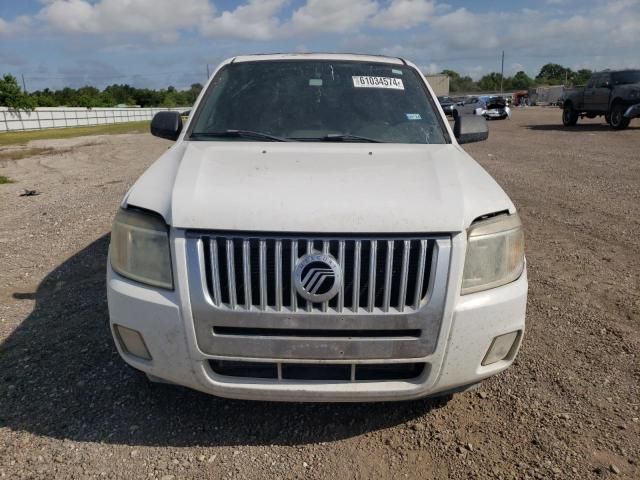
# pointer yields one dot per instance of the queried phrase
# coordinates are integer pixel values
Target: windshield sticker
(361, 81)
(315, 82)
(396, 72)
(413, 116)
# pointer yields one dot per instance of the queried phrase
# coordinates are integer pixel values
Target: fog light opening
(131, 342)
(501, 347)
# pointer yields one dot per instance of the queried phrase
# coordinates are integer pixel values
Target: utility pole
(502, 73)
(24, 85)
(208, 74)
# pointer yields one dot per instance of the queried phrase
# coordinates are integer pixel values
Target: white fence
(62, 117)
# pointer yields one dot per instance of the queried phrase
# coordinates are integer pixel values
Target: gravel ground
(569, 408)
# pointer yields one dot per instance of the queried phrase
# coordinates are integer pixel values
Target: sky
(156, 43)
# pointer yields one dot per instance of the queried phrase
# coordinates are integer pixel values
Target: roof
(319, 56)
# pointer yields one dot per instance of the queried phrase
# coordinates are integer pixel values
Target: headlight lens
(495, 253)
(139, 248)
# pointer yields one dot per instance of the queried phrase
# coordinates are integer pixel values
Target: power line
(112, 76)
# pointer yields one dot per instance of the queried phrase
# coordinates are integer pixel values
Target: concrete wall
(439, 83)
(62, 117)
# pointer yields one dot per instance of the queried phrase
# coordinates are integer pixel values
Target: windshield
(311, 100)
(445, 99)
(623, 78)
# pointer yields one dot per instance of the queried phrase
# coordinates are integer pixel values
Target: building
(439, 83)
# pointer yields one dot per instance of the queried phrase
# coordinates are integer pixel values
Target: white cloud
(17, 25)
(403, 14)
(430, 69)
(160, 17)
(255, 20)
(462, 29)
(332, 16)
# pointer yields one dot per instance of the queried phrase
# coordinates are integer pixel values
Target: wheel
(569, 116)
(607, 118)
(617, 119)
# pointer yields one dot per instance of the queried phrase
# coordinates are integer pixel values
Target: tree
(554, 74)
(520, 81)
(581, 77)
(490, 82)
(192, 94)
(459, 84)
(12, 96)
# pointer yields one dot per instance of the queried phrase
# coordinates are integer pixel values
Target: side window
(601, 81)
(592, 81)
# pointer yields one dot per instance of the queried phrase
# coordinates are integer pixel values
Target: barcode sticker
(361, 81)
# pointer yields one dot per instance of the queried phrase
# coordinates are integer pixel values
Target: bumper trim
(633, 111)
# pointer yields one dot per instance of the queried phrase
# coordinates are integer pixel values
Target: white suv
(316, 233)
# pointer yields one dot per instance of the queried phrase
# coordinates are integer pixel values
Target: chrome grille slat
(294, 258)
(215, 272)
(381, 275)
(340, 304)
(373, 257)
(231, 274)
(417, 297)
(402, 294)
(325, 250)
(309, 305)
(246, 273)
(263, 274)
(388, 270)
(356, 276)
(278, 268)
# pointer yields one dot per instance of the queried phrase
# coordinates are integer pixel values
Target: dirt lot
(569, 408)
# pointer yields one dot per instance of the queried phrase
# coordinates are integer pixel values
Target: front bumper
(470, 323)
(633, 111)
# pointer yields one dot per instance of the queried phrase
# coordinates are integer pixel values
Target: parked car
(447, 104)
(489, 106)
(316, 233)
(614, 94)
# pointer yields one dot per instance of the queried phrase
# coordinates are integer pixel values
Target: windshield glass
(623, 78)
(312, 100)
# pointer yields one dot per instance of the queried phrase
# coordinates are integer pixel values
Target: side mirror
(166, 125)
(470, 128)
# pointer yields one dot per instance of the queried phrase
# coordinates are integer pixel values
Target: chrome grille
(380, 275)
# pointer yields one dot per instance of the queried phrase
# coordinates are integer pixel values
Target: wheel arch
(616, 101)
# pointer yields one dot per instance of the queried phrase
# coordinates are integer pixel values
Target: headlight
(495, 253)
(139, 248)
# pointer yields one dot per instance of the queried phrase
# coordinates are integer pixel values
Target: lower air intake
(318, 371)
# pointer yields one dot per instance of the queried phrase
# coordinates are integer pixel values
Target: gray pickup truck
(614, 94)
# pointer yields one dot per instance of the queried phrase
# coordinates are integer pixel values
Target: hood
(629, 87)
(312, 187)
(496, 103)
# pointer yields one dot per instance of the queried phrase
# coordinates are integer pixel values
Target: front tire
(617, 120)
(569, 116)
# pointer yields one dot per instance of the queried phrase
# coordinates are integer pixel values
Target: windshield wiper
(338, 137)
(239, 133)
(341, 137)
